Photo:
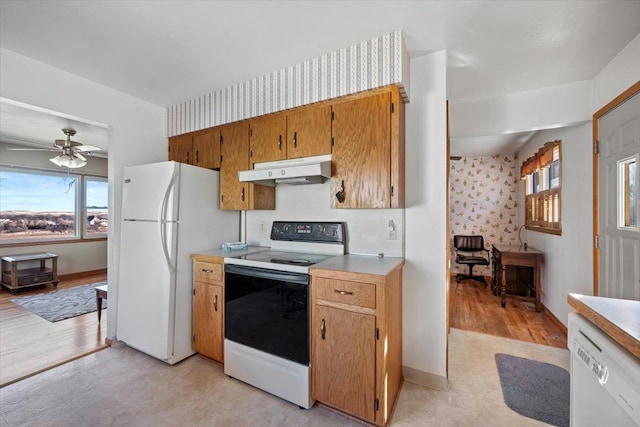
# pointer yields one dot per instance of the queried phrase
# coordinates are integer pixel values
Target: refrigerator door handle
(163, 221)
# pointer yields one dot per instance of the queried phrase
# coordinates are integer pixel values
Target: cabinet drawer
(207, 271)
(353, 293)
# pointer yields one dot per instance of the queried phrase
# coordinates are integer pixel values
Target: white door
(618, 187)
(146, 288)
(148, 191)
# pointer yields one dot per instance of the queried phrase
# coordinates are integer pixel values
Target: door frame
(618, 100)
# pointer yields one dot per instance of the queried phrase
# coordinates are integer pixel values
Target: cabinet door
(267, 139)
(343, 361)
(207, 320)
(362, 152)
(234, 148)
(206, 149)
(180, 148)
(309, 132)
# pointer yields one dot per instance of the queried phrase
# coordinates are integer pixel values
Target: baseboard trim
(554, 320)
(81, 274)
(416, 376)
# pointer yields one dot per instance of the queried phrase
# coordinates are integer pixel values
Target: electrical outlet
(391, 229)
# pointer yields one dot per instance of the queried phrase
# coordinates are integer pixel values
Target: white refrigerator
(169, 211)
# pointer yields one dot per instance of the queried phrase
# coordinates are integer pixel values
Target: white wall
(137, 132)
(74, 257)
(536, 109)
(366, 228)
(568, 258)
(618, 75)
(425, 271)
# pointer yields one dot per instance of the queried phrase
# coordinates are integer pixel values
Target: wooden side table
(22, 271)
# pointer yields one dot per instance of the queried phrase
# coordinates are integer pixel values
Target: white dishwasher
(605, 378)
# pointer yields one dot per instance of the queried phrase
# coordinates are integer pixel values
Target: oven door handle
(264, 273)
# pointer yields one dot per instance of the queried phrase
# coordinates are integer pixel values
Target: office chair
(471, 245)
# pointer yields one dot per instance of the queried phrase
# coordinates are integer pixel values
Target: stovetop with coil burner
(297, 245)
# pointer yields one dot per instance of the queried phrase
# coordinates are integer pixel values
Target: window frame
(543, 189)
(80, 234)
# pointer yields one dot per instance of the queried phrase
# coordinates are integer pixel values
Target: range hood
(305, 170)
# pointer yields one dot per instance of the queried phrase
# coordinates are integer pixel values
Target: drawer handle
(215, 302)
(337, 291)
(207, 271)
(323, 329)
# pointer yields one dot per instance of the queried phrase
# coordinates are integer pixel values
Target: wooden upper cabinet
(234, 148)
(197, 148)
(267, 139)
(236, 195)
(362, 153)
(180, 148)
(206, 149)
(309, 132)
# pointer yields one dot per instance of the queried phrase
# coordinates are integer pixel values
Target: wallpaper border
(378, 62)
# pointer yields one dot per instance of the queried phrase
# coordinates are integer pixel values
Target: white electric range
(267, 313)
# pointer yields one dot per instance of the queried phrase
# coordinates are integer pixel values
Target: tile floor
(123, 387)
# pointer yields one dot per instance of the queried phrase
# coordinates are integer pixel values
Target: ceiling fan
(70, 151)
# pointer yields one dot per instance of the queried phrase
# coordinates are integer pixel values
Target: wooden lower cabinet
(347, 350)
(356, 336)
(208, 307)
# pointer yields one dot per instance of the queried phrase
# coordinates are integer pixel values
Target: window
(541, 175)
(96, 207)
(45, 206)
(628, 198)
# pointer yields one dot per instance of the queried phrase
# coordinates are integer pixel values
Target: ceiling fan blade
(32, 149)
(80, 156)
(84, 148)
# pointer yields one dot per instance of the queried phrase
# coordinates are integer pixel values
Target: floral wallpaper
(483, 201)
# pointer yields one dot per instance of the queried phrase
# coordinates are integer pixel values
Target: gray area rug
(535, 389)
(63, 304)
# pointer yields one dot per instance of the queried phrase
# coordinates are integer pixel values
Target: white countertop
(360, 264)
(618, 318)
(367, 264)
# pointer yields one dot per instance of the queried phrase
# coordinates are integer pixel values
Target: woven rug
(535, 389)
(64, 303)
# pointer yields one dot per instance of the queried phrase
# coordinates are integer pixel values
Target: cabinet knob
(295, 140)
(215, 302)
(338, 291)
(323, 329)
(279, 142)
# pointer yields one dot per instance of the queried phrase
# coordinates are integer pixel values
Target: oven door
(268, 310)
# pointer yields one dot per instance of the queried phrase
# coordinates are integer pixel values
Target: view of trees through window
(41, 205)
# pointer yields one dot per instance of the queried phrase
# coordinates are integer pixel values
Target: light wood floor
(30, 344)
(473, 307)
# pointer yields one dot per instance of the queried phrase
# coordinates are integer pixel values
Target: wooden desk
(513, 255)
(14, 277)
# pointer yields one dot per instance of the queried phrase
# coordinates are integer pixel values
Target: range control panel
(327, 232)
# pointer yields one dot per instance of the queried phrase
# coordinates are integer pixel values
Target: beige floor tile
(120, 386)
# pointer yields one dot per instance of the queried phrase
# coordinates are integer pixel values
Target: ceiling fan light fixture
(68, 161)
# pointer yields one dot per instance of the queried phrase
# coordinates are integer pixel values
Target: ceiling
(166, 52)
